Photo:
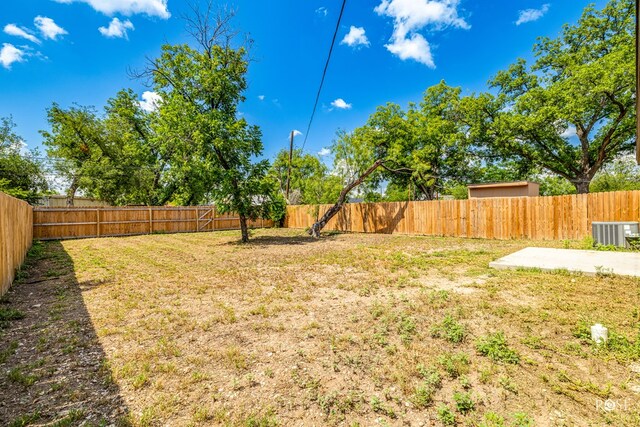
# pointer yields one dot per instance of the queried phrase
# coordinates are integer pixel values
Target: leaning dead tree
(317, 227)
(333, 210)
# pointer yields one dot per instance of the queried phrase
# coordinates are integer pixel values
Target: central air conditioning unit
(614, 233)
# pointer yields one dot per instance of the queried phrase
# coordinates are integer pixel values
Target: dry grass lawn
(196, 329)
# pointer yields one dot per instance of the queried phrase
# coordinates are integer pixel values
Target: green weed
(464, 402)
(406, 328)
(446, 416)
(495, 347)
(9, 351)
(337, 406)
(449, 329)
(266, 420)
(201, 414)
(423, 395)
(454, 365)
(16, 375)
(9, 314)
(378, 407)
(70, 419)
(491, 419)
(431, 376)
(25, 420)
(508, 384)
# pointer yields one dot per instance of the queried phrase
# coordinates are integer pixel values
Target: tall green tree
(22, 174)
(438, 151)
(133, 170)
(581, 81)
(75, 142)
(212, 148)
(116, 156)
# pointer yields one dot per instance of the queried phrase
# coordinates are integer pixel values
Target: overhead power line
(324, 73)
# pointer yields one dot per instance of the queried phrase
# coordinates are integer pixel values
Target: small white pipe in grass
(599, 334)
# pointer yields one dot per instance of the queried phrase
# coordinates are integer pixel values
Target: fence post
(197, 219)
(98, 222)
(150, 221)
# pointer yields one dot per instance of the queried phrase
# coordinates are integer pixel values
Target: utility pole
(289, 170)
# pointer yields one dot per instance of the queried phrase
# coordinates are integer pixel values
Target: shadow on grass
(53, 369)
(271, 240)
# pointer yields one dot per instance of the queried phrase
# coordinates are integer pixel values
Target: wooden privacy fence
(16, 228)
(74, 223)
(542, 218)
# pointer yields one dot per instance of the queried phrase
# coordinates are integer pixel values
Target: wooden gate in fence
(75, 223)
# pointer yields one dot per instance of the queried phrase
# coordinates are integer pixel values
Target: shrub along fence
(75, 223)
(16, 234)
(543, 218)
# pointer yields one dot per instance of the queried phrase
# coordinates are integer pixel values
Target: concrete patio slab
(588, 262)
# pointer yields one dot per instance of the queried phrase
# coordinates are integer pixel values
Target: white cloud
(261, 97)
(412, 16)
(341, 104)
(530, 15)
(296, 132)
(25, 33)
(48, 28)
(10, 54)
(117, 29)
(355, 37)
(157, 8)
(322, 11)
(324, 152)
(416, 47)
(569, 132)
(150, 101)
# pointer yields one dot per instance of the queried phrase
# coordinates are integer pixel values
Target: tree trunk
(582, 186)
(244, 229)
(71, 193)
(333, 210)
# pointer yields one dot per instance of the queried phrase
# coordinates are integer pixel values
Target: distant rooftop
(502, 184)
(504, 189)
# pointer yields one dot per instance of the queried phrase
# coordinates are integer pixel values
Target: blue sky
(79, 51)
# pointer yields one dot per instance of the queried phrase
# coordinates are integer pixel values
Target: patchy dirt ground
(196, 329)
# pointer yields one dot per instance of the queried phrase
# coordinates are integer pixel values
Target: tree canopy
(581, 82)
(623, 174)
(311, 180)
(21, 173)
(112, 156)
(422, 149)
